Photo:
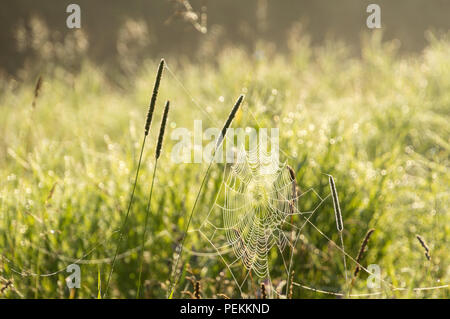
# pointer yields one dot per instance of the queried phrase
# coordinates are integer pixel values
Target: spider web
(250, 216)
(248, 241)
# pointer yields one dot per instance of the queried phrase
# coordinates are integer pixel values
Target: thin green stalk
(38, 272)
(122, 228)
(99, 283)
(162, 129)
(187, 227)
(347, 289)
(141, 257)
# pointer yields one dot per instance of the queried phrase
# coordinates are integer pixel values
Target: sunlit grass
(378, 124)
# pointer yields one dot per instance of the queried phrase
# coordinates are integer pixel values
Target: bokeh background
(165, 27)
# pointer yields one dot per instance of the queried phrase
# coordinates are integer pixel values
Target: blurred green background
(169, 29)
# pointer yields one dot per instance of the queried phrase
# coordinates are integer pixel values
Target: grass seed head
(197, 290)
(162, 129)
(291, 285)
(229, 120)
(425, 246)
(293, 180)
(362, 249)
(37, 90)
(151, 108)
(263, 291)
(294, 189)
(337, 208)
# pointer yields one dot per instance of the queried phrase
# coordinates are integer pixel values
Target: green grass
(377, 123)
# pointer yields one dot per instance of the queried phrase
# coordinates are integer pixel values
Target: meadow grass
(378, 123)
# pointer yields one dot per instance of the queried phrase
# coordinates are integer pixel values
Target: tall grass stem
(122, 228)
(141, 257)
(147, 213)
